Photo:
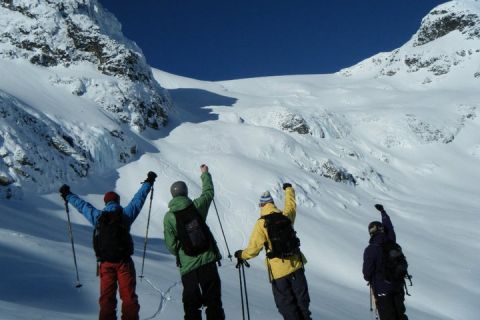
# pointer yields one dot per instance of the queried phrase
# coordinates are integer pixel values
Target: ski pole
(241, 287)
(245, 263)
(69, 224)
(371, 303)
(371, 307)
(221, 227)
(146, 232)
(371, 300)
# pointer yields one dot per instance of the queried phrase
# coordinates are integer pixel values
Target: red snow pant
(122, 273)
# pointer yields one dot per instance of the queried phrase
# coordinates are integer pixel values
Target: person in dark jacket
(389, 296)
(200, 278)
(113, 270)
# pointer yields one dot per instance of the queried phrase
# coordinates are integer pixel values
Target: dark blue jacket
(131, 211)
(373, 264)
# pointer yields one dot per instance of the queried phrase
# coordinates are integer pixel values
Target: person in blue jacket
(114, 247)
(389, 295)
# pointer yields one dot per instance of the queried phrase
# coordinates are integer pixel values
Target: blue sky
(227, 39)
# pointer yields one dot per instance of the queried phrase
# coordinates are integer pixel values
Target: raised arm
(387, 223)
(290, 208)
(84, 207)
(203, 202)
(135, 206)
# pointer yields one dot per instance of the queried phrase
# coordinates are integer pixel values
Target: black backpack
(395, 263)
(112, 241)
(283, 237)
(193, 233)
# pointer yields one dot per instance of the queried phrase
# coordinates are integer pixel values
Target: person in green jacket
(188, 238)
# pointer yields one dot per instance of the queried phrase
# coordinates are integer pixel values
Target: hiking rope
(70, 232)
(164, 297)
(221, 227)
(146, 232)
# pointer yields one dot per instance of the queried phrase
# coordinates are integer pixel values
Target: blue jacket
(373, 264)
(131, 211)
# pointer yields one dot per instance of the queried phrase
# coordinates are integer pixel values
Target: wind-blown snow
(345, 143)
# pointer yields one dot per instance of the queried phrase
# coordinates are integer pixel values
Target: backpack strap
(406, 289)
(267, 247)
(177, 255)
(409, 277)
(270, 272)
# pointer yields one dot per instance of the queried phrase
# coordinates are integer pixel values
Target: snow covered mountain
(346, 141)
(446, 45)
(70, 56)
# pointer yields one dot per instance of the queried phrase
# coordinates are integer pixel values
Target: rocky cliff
(61, 58)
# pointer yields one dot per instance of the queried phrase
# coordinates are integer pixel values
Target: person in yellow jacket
(286, 273)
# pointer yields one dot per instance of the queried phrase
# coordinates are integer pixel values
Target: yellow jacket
(277, 267)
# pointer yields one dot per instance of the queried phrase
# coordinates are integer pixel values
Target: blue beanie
(266, 198)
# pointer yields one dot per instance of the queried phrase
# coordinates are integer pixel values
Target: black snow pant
(201, 287)
(291, 296)
(392, 306)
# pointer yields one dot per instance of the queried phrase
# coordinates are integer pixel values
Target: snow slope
(345, 142)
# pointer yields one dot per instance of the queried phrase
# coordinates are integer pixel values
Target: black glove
(64, 191)
(240, 261)
(151, 176)
(379, 207)
(287, 185)
(238, 254)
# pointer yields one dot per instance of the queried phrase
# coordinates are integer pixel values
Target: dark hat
(111, 196)
(179, 188)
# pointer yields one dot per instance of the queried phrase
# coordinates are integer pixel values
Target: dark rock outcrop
(66, 33)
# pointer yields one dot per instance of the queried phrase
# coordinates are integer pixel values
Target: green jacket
(202, 204)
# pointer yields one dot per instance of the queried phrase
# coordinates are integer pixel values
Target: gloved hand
(379, 207)
(64, 191)
(287, 185)
(238, 254)
(151, 176)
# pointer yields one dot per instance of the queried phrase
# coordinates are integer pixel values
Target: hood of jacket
(179, 203)
(112, 206)
(378, 239)
(268, 209)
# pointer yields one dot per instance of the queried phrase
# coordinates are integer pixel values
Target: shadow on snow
(36, 279)
(191, 105)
